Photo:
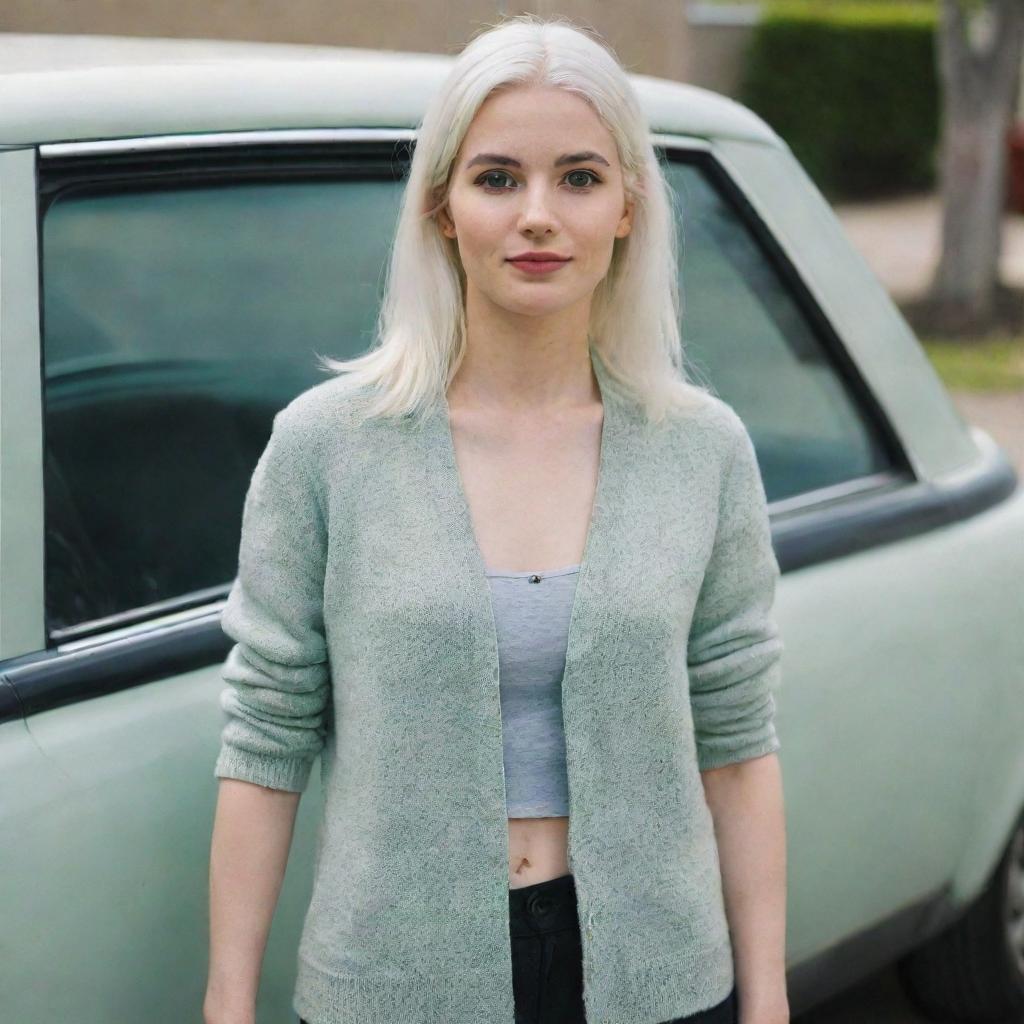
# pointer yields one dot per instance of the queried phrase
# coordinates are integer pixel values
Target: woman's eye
(589, 179)
(594, 179)
(490, 175)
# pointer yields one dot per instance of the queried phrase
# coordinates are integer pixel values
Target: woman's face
(536, 172)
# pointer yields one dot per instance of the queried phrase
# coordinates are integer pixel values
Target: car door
(186, 291)
(898, 534)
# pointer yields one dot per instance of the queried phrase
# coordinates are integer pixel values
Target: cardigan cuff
(291, 774)
(708, 757)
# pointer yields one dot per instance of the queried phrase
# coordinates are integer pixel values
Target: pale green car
(184, 227)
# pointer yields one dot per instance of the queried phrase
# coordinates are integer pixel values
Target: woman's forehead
(528, 132)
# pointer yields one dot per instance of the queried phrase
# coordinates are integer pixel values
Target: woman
(575, 505)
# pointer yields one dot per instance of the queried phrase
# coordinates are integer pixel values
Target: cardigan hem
(662, 989)
(322, 997)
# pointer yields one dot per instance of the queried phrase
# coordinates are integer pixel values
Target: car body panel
(894, 756)
(994, 554)
(21, 492)
(107, 833)
(122, 88)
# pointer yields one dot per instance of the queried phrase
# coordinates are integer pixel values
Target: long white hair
(420, 334)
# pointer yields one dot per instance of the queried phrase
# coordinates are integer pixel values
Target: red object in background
(1015, 168)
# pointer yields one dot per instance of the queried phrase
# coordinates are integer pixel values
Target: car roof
(64, 88)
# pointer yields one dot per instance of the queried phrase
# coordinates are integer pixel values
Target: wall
(649, 37)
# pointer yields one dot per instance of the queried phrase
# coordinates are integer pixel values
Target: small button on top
(535, 578)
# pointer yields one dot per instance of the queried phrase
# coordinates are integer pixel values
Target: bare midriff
(537, 850)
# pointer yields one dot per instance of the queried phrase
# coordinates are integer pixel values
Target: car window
(745, 334)
(176, 323)
(178, 318)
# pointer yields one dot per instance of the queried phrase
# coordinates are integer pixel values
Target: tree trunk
(979, 79)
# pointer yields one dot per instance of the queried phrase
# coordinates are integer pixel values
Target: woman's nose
(537, 209)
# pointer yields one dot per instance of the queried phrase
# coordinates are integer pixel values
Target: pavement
(900, 240)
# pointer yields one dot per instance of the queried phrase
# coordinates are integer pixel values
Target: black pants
(547, 965)
(547, 959)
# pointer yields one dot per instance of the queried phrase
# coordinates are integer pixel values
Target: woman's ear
(625, 224)
(439, 211)
(446, 224)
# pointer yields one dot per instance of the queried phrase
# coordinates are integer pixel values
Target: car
(185, 227)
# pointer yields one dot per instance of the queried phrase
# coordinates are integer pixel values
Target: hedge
(852, 88)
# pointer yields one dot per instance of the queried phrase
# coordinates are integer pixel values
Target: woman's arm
(276, 704)
(252, 835)
(734, 666)
(746, 803)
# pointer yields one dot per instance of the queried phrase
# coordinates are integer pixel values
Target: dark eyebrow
(565, 158)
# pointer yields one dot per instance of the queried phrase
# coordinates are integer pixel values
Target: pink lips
(539, 263)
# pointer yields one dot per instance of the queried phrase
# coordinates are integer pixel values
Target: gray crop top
(531, 615)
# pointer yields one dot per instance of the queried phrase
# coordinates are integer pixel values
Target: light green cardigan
(364, 633)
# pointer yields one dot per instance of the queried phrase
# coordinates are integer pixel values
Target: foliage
(853, 89)
(995, 364)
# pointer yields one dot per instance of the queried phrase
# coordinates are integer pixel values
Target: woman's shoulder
(334, 427)
(327, 416)
(709, 429)
(330, 403)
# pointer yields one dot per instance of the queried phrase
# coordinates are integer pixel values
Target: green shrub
(852, 88)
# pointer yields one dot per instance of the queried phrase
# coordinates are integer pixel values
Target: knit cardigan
(364, 634)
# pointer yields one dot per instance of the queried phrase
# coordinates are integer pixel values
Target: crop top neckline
(504, 574)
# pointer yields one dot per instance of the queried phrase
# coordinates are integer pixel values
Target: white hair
(420, 334)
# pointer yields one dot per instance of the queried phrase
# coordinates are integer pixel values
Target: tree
(980, 46)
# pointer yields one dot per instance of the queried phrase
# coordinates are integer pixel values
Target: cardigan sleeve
(277, 673)
(735, 648)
